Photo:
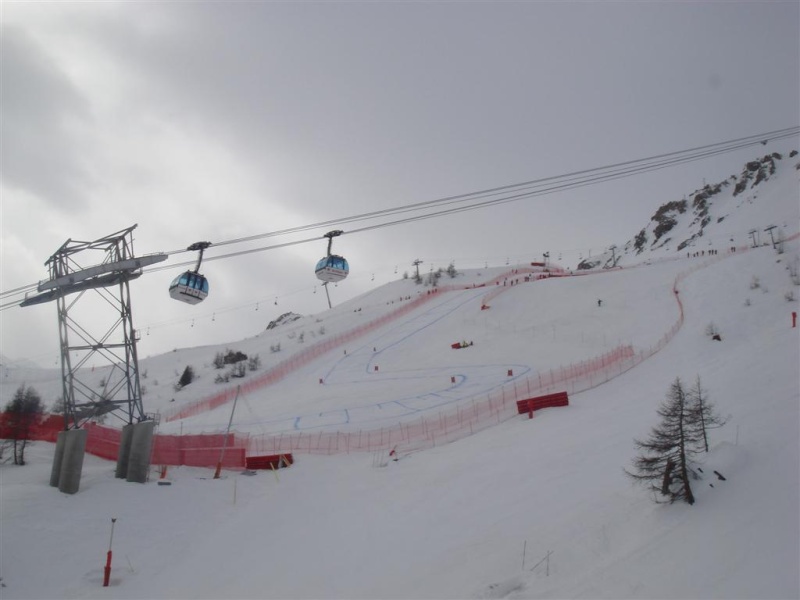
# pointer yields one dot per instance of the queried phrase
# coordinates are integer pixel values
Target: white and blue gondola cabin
(332, 268)
(189, 287)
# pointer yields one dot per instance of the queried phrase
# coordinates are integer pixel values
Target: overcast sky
(218, 120)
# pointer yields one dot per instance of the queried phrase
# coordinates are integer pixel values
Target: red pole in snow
(107, 570)
(794, 318)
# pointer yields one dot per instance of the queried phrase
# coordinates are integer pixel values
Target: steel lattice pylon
(119, 392)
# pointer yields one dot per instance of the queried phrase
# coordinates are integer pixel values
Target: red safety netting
(480, 413)
(449, 425)
(102, 441)
(206, 450)
(517, 276)
(200, 450)
(310, 353)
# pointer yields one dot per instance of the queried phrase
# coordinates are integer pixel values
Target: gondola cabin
(190, 287)
(332, 268)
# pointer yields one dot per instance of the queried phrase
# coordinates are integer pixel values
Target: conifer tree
(23, 413)
(702, 413)
(187, 377)
(665, 454)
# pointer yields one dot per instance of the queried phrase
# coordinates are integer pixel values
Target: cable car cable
(568, 181)
(702, 152)
(577, 181)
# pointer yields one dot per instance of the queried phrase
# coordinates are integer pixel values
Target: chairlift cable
(489, 197)
(692, 154)
(575, 180)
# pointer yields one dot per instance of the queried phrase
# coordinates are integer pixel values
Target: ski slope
(535, 508)
(452, 522)
(407, 369)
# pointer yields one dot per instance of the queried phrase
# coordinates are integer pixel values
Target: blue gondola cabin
(189, 287)
(332, 268)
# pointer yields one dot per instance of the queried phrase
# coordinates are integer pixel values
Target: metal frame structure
(116, 345)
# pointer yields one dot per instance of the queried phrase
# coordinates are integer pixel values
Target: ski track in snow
(359, 366)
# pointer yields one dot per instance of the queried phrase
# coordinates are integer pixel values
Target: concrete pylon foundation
(124, 451)
(58, 457)
(72, 461)
(141, 448)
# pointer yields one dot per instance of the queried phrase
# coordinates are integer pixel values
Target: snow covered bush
(712, 331)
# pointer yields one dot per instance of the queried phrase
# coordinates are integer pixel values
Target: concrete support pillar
(72, 461)
(141, 449)
(124, 451)
(55, 472)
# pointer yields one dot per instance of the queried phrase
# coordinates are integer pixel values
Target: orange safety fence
(449, 425)
(31, 427)
(311, 353)
(511, 279)
(199, 450)
(470, 417)
(428, 431)
(102, 441)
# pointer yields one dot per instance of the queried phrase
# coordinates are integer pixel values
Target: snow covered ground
(535, 508)
(452, 522)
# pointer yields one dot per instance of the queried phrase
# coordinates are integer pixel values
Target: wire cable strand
(699, 151)
(475, 200)
(501, 195)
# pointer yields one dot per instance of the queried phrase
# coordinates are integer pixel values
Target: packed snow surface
(453, 522)
(535, 508)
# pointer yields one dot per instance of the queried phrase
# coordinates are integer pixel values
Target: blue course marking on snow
(323, 419)
(412, 405)
(472, 381)
(436, 312)
(406, 406)
(409, 405)
(400, 332)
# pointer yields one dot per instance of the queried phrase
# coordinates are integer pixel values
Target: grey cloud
(378, 91)
(40, 114)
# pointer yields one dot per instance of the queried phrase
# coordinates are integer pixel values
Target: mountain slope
(454, 521)
(719, 216)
